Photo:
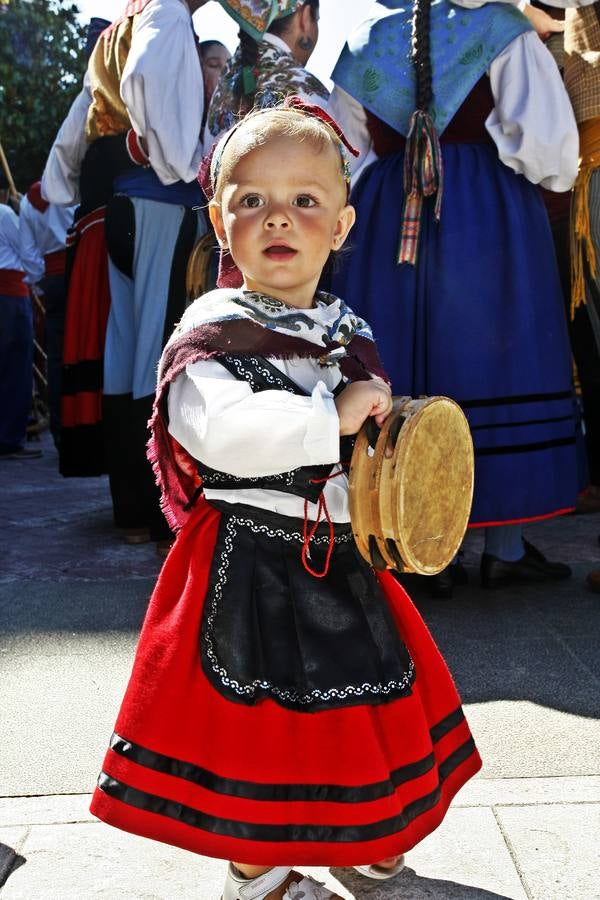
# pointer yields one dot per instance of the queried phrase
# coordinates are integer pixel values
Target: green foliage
(41, 68)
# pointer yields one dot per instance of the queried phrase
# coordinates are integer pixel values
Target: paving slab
(555, 849)
(481, 791)
(58, 713)
(92, 860)
(523, 739)
(465, 859)
(77, 862)
(45, 810)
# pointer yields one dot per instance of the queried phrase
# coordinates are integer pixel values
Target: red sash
(12, 284)
(55, 262)
(34, 195)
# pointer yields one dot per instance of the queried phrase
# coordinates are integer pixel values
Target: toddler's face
(282, 211)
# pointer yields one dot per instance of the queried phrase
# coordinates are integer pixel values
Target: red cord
(308, 535)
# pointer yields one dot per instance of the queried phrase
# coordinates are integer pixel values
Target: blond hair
(260, 126)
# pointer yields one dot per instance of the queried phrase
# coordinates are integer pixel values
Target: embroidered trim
(215, 479)
(291, 696)
(247, 372)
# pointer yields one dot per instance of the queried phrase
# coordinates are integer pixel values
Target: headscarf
(256, 16)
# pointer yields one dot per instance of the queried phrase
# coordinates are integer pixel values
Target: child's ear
(216, 218)
(345, 221)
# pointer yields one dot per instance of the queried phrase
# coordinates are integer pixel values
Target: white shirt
(221, 423)
(60, 179)
(532, 123)
(9, 239)
(41, 233)
(163, 91)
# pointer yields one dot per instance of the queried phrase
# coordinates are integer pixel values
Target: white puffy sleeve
(352, 119)
(162, 88)
(60, 180)
(9, 221)
(532, 123)
(31, 256)
(521, 4)
(223, 424)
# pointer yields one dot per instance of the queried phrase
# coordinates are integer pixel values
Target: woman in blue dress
(460, 281)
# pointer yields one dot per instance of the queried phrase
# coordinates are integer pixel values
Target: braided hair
(249, 49)
(421, 53)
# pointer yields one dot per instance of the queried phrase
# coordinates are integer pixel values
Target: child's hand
(360, 400)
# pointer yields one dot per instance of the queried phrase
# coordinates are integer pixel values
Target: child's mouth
(280, 252)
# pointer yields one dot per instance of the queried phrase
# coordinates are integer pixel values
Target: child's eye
(305, 201)
(252, 201)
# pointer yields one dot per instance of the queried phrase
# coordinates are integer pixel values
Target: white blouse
(9, 239)
(221, 423)
(532, 123)
(60, 179)
(41, 233)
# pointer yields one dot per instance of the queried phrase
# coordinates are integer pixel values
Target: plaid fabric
(583, 249)
(423, 177)
(582, 62)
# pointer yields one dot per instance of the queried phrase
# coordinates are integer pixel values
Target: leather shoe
(442, 585)
(533, 566)
(593, 581)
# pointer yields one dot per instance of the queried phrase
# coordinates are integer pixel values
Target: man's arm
(162, 89)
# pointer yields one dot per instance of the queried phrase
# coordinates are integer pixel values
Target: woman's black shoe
(533, 566)
(593, 581)
(442, 584)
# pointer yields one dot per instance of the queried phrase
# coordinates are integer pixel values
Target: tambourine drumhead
(410, 511)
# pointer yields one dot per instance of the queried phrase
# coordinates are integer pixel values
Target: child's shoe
(239, 888)
(379, 872)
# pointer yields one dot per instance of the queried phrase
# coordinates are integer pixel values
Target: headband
(211, 165)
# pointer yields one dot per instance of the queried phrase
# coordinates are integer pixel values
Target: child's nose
(277, 218)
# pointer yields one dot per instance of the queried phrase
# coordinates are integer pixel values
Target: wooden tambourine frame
(409, 511)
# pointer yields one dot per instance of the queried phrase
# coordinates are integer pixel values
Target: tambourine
(409, 510)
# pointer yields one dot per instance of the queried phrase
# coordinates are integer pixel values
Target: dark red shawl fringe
(175, 470)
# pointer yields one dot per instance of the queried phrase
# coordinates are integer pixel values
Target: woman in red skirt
(287, 705)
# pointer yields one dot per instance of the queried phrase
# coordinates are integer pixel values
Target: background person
(43, 231)
(16, 339)
(470, 306)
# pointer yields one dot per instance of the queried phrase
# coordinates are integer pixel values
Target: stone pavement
(71, 601)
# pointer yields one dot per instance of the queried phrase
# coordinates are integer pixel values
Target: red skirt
(263, 784)
(86, 316)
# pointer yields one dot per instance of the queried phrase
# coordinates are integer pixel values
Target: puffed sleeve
(221, 423)
(60, 180)
(532, 123)
(352, 119)
(31, 257)
(162, 88)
